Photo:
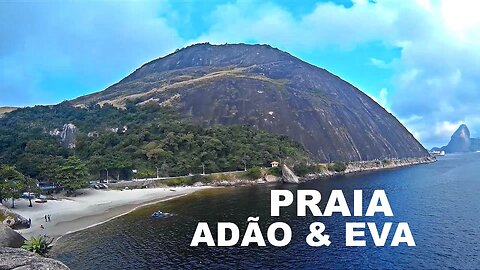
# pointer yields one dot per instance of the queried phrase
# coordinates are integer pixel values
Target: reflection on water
(440, 202)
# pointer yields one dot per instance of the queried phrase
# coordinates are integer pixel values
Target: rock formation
(68, 135)
(460, 142)
(9, 237)
(12, 219)
(14, 258)
(288, 176)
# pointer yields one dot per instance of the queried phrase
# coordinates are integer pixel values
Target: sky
(419, 59)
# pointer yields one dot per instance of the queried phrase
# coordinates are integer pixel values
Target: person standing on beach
(48, 218)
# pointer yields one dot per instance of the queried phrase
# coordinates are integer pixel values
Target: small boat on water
(160, 214)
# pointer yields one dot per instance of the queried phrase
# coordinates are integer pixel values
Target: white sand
(90, 209)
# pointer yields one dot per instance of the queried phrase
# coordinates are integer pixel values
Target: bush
(254, 173)
(276, 171)
(178, 181)
(302, 169)
(40, 245)
(337, 166)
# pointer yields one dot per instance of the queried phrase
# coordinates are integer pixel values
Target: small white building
(274, 164)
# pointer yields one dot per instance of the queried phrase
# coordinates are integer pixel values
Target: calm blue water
(440, 201)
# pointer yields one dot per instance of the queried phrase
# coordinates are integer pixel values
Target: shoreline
(91, 209)
(370, 166)
(117, 216)
(94, 207)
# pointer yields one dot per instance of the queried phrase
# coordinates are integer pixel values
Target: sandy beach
(91, 208)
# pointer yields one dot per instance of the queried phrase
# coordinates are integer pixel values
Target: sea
(440, 202)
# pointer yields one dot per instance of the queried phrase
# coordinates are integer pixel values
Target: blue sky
(420, 59)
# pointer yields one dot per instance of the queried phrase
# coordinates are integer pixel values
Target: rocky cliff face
(263, 87)
(460, 142)
(67, 135)
(288, 176)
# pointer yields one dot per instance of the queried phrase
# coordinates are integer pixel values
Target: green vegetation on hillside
(118, 141)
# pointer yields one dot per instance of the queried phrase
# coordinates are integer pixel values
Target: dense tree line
(143, 138)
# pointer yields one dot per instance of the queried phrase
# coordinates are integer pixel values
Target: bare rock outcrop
(9, 237)
(68, 135)
(20, 259)
(288, 176)
(13, 220)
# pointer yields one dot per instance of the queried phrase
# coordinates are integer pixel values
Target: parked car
(28, 195)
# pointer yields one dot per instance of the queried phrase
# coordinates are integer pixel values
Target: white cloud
(446, 128)
(76, 47)
(379, 63)
(327, 24)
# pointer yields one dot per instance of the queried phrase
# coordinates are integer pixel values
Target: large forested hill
(215, 106)
(265, 88)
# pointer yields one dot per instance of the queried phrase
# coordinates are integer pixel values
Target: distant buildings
(437, 153)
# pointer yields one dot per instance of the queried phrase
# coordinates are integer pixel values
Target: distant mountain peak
(460, 141)
(462, 132)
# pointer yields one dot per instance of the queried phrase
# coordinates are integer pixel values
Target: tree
(12, 183)
(73, 174)
(31, 185)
